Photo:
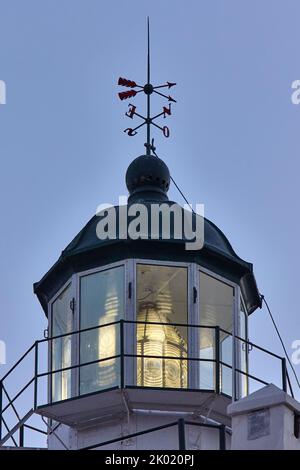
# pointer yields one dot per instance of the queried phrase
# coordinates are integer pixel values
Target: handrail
(18, 362)
(123, 354)
(8, 430)
(180, 423)
(130, 436)
(18, 394)
(9, 399)
(289, 382)
(185, 325)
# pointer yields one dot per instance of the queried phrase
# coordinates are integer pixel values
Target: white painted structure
(147, 342)
(268, 419)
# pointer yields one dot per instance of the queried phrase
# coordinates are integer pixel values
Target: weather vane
(148, 89)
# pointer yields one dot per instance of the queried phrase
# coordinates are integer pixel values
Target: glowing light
(155, 339)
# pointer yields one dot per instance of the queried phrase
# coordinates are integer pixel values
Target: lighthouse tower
(147, 337)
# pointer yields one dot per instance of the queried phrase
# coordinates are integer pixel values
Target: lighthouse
(147, 344)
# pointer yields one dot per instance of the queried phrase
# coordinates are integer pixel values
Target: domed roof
(147, 178)
(87, 239)
(148, 181)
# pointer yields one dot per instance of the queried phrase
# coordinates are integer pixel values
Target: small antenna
(148, 37)
(147, 145)
(148, 89)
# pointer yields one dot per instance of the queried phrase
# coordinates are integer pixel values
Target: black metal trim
(122, 356)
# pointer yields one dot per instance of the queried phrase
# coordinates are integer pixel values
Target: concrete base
(265, 420)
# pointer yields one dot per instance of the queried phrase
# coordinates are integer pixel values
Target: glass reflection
(161, 300)
(61, 347)
(101, 303)
(216, 309)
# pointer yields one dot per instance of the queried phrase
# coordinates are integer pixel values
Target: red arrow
(125, 82)
(127, 94)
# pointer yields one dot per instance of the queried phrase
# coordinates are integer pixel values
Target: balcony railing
(180, 424)
(127, 358)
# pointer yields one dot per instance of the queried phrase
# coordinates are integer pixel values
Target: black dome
(147, 179)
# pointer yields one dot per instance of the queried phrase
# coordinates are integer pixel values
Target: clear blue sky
(234, 142)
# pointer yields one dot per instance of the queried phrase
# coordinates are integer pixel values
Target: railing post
(181, 434)
(36, 371)
(1, 404)
(284, 373)
(222, 437)
(21, 436)
(217, 358)
(122, 352)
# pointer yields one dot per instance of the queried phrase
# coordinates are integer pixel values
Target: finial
(148, 89)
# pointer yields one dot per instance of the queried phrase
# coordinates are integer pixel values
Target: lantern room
(144, 314)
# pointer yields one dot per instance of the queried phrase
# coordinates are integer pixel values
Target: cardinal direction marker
(148, 89)
(131, 112)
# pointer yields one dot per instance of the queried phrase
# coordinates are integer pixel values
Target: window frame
(239, 382)
(189, 267)
(79, 275)
(235, 356)
(50, 333)
(130, 312)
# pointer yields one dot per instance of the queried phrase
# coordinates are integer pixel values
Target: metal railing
(123, 356)
(181, 434)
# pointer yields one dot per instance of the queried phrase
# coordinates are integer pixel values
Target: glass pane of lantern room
(101, 302)
(61, 322)
(216, 309)
(161, 301)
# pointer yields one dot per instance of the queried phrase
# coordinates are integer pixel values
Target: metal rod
(148, 151)
(1, 402)
(222, 437)
(12, 405)
(251, 344)
(217, 358)
(75, 332)
(21, 436)
(178, 358)
(8, 430)
(204, 425)
(18, 394)
(289, 382)
(284, 378)
(147, 356)
(63, 369)
(148, 43)
(54, 433)
(181, 434)
(247, 375)
(130, 436)
(36, 371)
(18, 362)
(83, 330)
(33, 428)
(122, 352)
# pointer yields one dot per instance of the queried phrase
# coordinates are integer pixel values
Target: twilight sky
(234, 143)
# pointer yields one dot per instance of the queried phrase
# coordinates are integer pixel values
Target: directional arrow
(168, 84)
(125, 82)
(127, 94)
(169, 98)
